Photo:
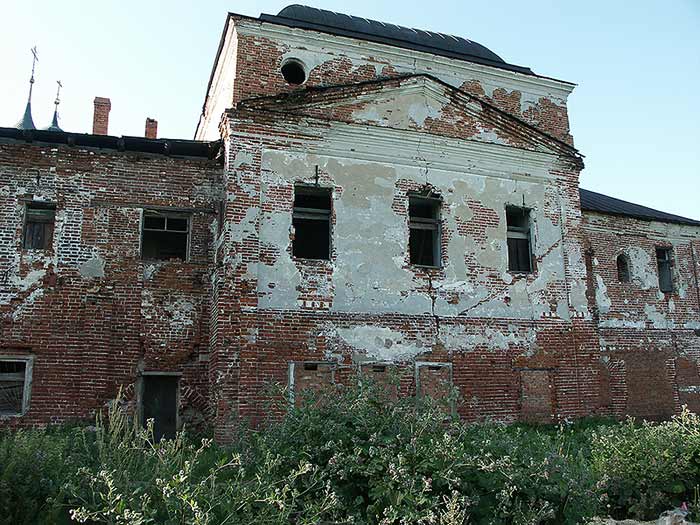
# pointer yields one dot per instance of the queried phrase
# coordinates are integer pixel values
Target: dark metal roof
(27, 121)
(356, 27)
(180, 148)
(54, 123)
(592, 201)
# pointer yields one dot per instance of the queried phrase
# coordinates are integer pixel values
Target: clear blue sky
(635, 114)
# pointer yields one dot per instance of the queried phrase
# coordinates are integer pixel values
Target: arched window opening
(623, 268)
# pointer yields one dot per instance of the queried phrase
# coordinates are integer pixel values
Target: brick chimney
(100, 118)
(151, 128)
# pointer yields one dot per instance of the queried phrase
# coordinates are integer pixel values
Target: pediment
(417, 103)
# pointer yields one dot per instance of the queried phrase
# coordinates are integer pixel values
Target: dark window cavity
(165, 236)
(13, 386)
(311, 219)
(424, 230)
(159, 403)
(664, 263)
(519, 240)
(293, 72)
(623, 268)
(38, 225)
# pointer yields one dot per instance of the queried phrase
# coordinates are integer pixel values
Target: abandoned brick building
(360, 198)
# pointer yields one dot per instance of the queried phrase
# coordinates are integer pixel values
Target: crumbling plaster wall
(93, 313)
(639, 303)
(367, 303)
(328, 59)
(650, 343)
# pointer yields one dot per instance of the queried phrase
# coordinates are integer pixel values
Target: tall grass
(350, 455)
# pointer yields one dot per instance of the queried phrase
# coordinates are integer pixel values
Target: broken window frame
(520, 233)
(622, 262)
(167, 215)
(141, 398)
(38, 213)
(433, 224)
(27, 382)
(313, 214)
(664, 266)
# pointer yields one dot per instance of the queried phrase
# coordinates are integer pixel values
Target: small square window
(14, 386)
(519, 241)
(311, 219)
(424, 230)
(164, 236)
(664, 262)
(39, 221)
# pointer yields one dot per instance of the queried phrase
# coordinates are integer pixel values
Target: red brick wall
(258, 73)
(91, 335)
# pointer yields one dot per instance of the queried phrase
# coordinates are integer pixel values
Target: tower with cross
(54, 122)
(27, 121)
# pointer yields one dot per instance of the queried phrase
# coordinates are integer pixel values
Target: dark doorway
(159, 403)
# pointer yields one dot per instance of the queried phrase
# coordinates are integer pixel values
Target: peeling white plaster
(381, 344)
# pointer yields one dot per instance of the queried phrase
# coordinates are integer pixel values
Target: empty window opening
(310, 366)
(311, 219)
(519, 242)
(623, 268)
(378, 369)
(159, 403)
(38, 225)
(165, 236)
(293, 72)
(14, 386)
(664, 262)
(424, 230)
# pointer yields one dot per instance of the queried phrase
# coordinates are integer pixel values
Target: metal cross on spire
(35, 59)
(58, 92)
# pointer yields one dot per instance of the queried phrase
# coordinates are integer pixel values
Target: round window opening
(293, 72)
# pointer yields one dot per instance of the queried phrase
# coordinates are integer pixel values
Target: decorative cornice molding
(414, 149)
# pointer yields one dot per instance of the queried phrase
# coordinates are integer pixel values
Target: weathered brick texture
(243, 317)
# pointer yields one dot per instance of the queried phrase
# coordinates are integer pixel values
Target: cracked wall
(261, 48)
(91, 312)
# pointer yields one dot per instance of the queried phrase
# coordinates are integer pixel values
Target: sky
(635, 113)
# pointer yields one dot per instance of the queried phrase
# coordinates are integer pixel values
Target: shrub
(646, 468)
(351, 455)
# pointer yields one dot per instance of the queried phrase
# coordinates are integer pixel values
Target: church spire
(27, 122)
(54, 123)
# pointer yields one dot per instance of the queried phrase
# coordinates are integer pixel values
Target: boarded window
(39, 221)
(435, 380)
(159, 403)
(519, 238)
(623, 268)
(424, 230)
(14, 386)
(383, 376)
(311, 219)
(165, 236)
(308, 377)
(536, 396)
(664, 263)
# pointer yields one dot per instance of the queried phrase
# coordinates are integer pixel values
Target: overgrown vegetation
(351, 456)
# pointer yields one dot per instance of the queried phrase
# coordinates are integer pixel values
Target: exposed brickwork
(100, 117)
(93, 332)
(242, 315)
